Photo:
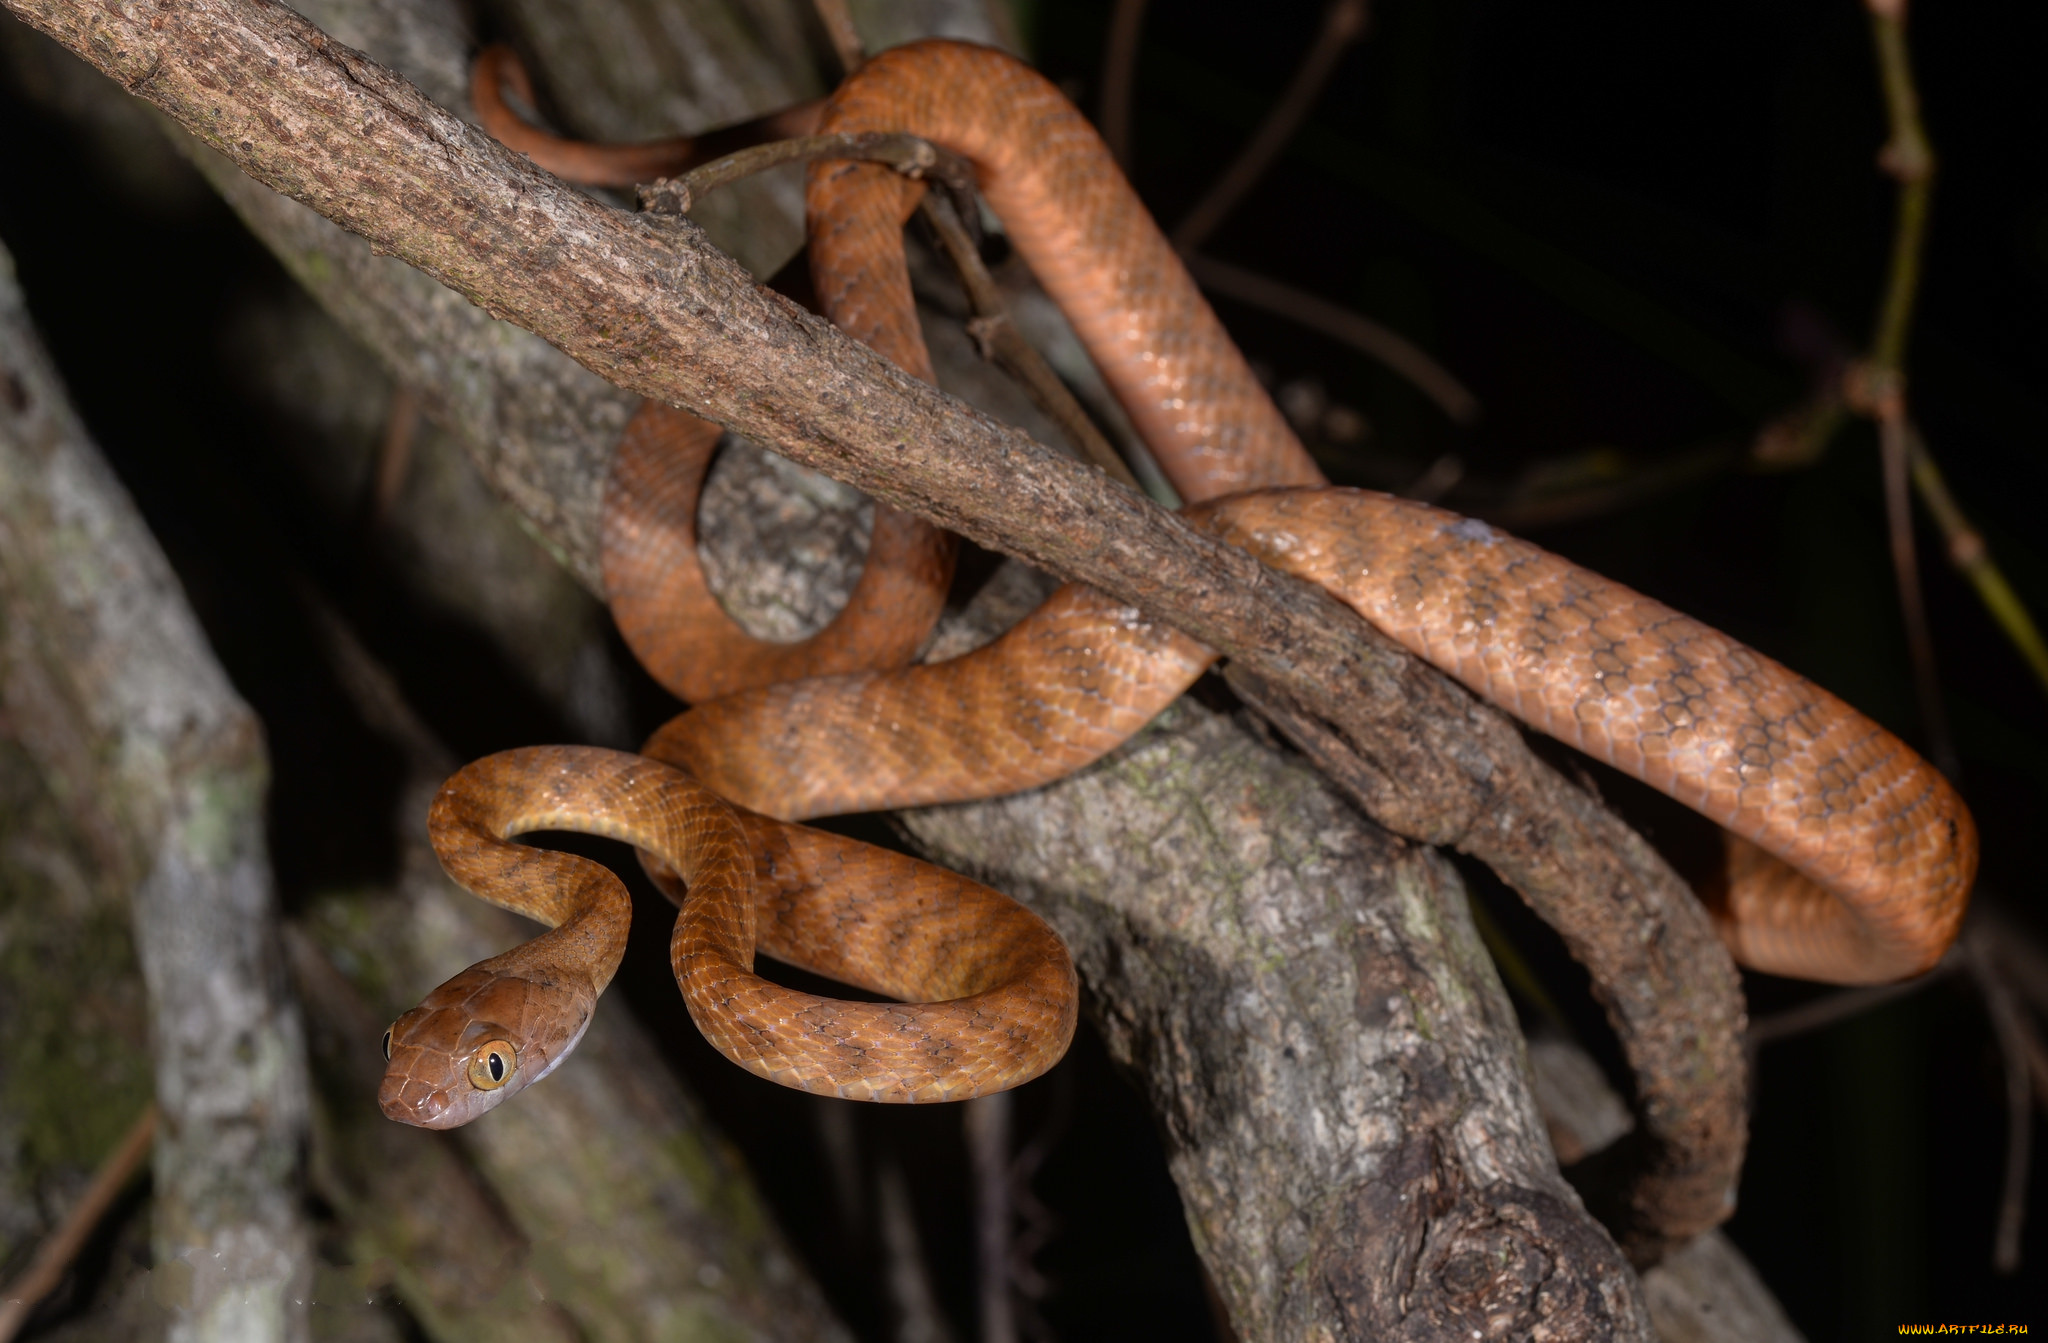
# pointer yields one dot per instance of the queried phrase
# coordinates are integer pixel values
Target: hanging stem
(1971, 558)
(1120, 78)
(2009, 1028)
(1879, 384)
(1343, 24)
(1001, 342)
(1909, 158)
(1893, 434)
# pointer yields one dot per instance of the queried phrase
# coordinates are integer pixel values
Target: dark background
(1611, 220)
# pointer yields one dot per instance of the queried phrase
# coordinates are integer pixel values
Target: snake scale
(1850, 859)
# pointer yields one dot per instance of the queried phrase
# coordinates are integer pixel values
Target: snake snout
(410, 1100)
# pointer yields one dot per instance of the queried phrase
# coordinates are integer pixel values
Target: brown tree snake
(1851, 859)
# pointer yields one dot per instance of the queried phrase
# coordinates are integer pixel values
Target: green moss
(75, 1070)
(219, 824)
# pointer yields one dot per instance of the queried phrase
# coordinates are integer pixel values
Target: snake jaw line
(454, 1058)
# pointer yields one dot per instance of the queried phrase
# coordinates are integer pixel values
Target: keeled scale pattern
(1853, 859)
(1003, 985)
(1069, 212)
(1859, 855)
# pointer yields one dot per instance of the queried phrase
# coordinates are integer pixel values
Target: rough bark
(649, 306)
(1704, 1292)
(630, 70)
(1332, 1057)
(569, 527)
(1596, 1263)
(111, 684)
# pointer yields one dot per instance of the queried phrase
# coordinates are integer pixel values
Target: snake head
(478, 1040)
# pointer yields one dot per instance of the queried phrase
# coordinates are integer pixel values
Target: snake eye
(493, 1064)
(387, 1044)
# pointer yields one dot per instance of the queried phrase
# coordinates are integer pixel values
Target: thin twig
(1120, 78)
(55, 1257)
(603, 165)
(394, 454)
(2010, 1030)
(1437, 480)
(1898, 507)
(1908, 157)
(1971, 558)
(1879, 386)
(1343, 24)
(1525, 511)
(1838, 1007)
(838, 21)
(1001, 341)
(986, 1122)
(919, 1318)
(907, 154)
(1391, 348)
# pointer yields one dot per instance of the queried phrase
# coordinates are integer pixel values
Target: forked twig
(1799, 436)
(910, 155)
(1001, 341)
(1879, 387)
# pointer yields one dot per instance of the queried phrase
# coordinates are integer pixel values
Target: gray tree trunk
(110, 683)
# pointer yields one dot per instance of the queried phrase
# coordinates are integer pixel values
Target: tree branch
(645, 304)
(116, 692)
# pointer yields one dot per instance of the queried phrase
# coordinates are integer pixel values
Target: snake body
(498, 67)
(1851, 859)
